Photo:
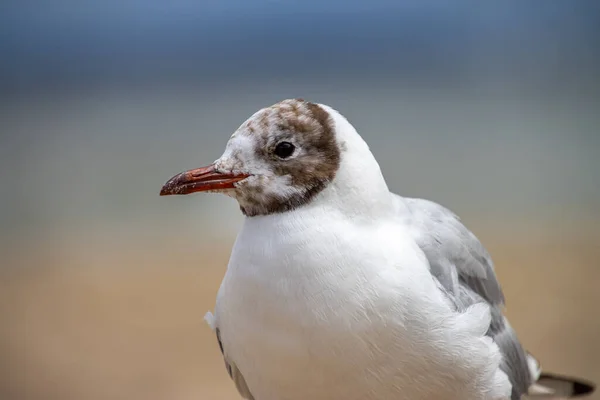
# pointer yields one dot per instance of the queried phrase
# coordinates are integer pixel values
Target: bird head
(284, 157)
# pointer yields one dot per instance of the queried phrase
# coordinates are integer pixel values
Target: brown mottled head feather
(285, 184)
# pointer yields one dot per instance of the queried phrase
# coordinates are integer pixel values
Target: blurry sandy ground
(130, 325)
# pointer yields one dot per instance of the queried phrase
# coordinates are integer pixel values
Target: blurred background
(492, 109)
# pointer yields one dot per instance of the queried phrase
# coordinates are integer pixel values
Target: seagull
(337, 288)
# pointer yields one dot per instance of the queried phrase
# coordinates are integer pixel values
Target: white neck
(359, 188)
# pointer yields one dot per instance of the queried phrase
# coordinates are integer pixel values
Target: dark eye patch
(295, 125)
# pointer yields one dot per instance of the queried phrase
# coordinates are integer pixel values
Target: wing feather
(454, 253)
(465, 273)
(232, 370)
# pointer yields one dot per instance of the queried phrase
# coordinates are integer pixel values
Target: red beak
(200, 180)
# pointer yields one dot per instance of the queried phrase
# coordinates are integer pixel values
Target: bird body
(339, 289)
(303, 326)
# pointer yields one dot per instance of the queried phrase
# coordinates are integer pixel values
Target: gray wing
(234, 372)
(232, 369)
(465, 273)
(456, 256)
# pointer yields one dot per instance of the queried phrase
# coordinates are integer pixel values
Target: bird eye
(284, 149)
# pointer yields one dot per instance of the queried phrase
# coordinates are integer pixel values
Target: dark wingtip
(582, 389)
(579, 387)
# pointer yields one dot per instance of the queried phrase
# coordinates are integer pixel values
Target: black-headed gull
(339, 289)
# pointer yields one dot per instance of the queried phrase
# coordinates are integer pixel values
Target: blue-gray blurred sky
(55, 43)
(489, 108)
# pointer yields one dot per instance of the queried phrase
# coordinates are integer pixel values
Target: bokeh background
(492, 109)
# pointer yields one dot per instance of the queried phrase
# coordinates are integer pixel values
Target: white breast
(315, 306)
